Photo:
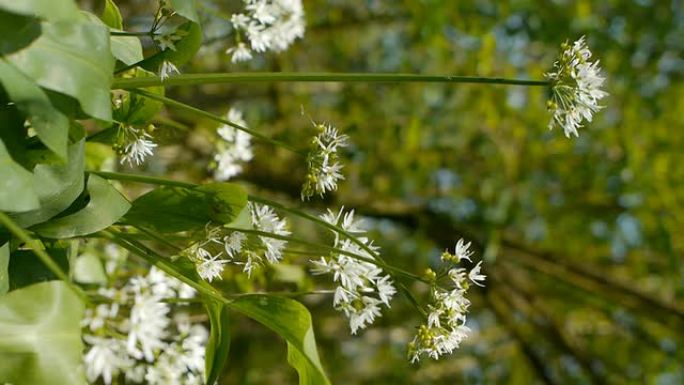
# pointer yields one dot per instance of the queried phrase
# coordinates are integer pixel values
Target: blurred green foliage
(581, 237)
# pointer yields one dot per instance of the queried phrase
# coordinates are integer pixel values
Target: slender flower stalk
(237, 77)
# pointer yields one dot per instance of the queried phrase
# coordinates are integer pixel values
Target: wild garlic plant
(136, 325)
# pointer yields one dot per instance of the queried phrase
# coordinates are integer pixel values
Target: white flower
(234, 148)
(323, 168)
(138, 145)
(239, 53)
(148, 322)
(576, 88)
(362, 285)
(462, 251)
(269, 24)
(475, 275)
(106, 358)
(233, 243)
(167, 40)
(167, 69)
(265, 219)
(211, 267)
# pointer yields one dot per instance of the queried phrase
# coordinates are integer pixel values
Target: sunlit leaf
(219, 340)
(57, 187)
(106, 206)
(72, 58)
(47, 9)
(186, 8)
(40, 336)
(111, 15)
(292, 321)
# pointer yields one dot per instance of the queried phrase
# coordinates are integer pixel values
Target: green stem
(15, 229)
(208, 115)
(157, 237)
(124, 33)
(142, 179)
(237, 77)
(329, 248)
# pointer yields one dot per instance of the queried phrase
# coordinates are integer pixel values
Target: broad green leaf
(57, 187)
(127, 49)
(17, 31)
(4, 265)
(174, 209)
(26, 269)
(46, 9)
(111, 15)
(106, 206)
(16, 185)
(73, 58)
(186, 8)
(227, 200)
(40, 336)
(51, 126)
(292, 321)
(219, 340)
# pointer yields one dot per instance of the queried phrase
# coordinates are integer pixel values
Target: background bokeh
(581, 238)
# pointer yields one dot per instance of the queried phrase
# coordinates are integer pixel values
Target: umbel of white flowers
(575, 88)
(323, 167)
(233, 148)
(268, 25)
(362, 286)
(141, 337)
(219, 248)
(445, 328)
(134, 144)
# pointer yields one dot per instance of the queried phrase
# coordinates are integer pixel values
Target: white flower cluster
(362, 286)
(139, 336)
(576, 88)
(135, 144)
(269, 25)
(445, 328)
(250, 252)
(234, 147)
(168, 40)
(323, 168)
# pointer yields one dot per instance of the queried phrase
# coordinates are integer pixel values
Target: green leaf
(16, 185)
(174, 209)
(292, 321)
(219, 340)
(186, 8)
(40, 336)
(57, 187)
(106, 206)
(51, 126)
(111, 15)
(127, 49)
(17, 31)
(46, 9)
(4, 265)
(25, 268)
(73, 58)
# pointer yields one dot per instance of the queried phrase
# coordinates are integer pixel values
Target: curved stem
(125, 33)
(237, 77)
(208, 115)
(20, 233)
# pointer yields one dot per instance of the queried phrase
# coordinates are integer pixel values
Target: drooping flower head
(134, 144)
(576, 84)
(446, 328)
